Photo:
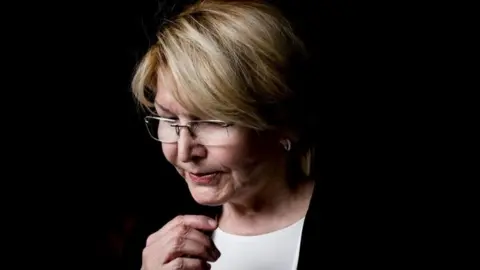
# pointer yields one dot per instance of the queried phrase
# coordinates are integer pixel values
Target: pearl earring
(287, 144)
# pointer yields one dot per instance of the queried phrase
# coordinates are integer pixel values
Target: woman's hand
(181, 244)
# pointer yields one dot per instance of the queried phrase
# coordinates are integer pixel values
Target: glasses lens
(161, 130)
(212, 134)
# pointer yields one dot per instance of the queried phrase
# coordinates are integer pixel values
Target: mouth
(202, 177)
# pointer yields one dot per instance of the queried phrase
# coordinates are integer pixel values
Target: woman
(224, 85)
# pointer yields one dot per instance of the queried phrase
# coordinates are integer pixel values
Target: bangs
(207, 80)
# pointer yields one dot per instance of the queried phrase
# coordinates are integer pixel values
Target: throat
(266, 215)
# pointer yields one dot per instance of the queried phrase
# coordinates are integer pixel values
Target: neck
(269, 207)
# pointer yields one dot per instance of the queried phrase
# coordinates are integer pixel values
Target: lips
(200, 174)
(202, 177)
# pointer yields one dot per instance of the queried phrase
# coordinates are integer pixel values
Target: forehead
(164, 98)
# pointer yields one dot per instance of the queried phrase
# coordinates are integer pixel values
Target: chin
(207, 196)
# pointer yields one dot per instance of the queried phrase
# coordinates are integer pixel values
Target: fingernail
(212, 222)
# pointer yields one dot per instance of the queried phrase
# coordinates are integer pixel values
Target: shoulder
(340, 224)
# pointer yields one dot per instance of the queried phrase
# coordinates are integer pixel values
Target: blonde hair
(228, 60)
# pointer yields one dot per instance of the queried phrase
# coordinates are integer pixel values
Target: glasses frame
(190, 126)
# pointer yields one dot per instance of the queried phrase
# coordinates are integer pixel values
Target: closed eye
(172, 118)
(213, 123)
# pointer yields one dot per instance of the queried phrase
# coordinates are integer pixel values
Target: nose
(187, 149)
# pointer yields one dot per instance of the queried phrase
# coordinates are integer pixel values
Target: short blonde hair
(229, 60)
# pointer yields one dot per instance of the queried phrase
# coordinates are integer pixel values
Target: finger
(187, 264)
(195, 221)
(198, 236)
(184, 247)
(190, 233)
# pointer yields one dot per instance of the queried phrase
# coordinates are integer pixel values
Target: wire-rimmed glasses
(206, 132)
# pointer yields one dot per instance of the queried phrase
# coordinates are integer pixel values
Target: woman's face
(235, 167)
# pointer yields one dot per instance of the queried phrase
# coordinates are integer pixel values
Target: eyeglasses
(206, 132)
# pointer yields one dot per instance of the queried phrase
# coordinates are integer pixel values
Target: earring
(287, 144)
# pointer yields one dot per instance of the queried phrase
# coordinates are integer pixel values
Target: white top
(277, 250)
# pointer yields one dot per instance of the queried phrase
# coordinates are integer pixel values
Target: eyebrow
(162, 108)
(191, 116)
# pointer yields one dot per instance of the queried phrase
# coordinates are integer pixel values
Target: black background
(84, 166)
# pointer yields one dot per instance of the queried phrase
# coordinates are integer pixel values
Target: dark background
(96, 173)
(144, 187)
(151, 189)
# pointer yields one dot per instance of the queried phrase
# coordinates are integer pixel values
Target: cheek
(250, 155)
(235, 158)
(169, 151)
